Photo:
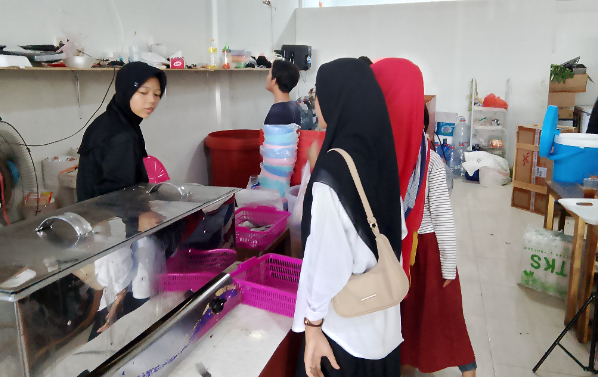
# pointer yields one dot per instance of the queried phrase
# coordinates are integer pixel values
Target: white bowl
(79, 62)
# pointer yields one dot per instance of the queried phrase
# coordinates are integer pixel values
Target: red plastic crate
(269, 282)
(192, 269)
(261, 216)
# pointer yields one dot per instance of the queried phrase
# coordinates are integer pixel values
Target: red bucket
(306, 138)
(235, 156)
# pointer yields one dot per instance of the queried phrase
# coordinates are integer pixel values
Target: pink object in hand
(156, 172)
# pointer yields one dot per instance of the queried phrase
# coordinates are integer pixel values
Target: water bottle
(445, 151)
(461, 137)
(454, 162)
(213, 50)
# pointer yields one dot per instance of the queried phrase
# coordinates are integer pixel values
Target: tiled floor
(510, 326)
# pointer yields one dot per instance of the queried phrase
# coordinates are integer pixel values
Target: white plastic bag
(545, 262)
(297, 214)
(494, 170)
(259, 197)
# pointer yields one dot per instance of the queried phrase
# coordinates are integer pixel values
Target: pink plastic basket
(259, 240)
(192, 269)
(269, 282)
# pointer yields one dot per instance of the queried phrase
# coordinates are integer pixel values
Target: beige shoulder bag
(383, 286)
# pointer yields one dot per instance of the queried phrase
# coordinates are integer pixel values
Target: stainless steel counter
(59, 284)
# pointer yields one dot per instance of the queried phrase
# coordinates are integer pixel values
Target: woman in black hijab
(337, 238)
(112, 153)
(113, 147)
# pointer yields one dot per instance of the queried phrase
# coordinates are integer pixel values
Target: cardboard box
(561, 99)
(529, 200)
(530, 171)
(565, 113)
(577, 84)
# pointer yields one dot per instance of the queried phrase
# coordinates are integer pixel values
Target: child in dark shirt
(283, 77)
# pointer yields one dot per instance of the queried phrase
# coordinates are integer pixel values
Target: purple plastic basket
(261, 216)
(192, 269)
(269, 282)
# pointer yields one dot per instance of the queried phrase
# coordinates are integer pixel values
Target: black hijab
(354, 108)
(118, 113)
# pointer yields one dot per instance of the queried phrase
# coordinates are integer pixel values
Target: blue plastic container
(271, 129)
(290, 152)
(285, 139)
(280, 171)
(575, 155)
(268, 183)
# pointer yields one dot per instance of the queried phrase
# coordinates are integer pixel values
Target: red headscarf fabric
(403, 87)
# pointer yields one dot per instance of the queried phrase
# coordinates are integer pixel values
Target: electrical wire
(86, 123)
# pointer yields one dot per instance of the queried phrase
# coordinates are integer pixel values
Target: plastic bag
(494, 101)
(259, 197)
(494, 169)
(297, 214)
(546, 261)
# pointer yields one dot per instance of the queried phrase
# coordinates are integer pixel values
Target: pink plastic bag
(156, 172)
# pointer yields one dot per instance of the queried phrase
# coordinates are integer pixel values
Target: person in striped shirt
(433, 324)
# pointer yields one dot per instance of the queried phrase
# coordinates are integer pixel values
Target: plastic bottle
(445, 151)
(461, 137)
(455, 162)
(213, 50)
(226, 57)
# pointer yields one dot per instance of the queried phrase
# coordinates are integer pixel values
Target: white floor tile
(480, 341)
(467, 266)
(501, 370)
(484, 370)
(499, 271)
(500, 244)
(522, 304)
(522, 344)
(473, 304)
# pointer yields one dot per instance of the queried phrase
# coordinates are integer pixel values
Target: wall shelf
(68, 69)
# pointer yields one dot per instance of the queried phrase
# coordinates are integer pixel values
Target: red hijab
(403, 87)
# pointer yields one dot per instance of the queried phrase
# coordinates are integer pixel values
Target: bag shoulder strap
(359, 186)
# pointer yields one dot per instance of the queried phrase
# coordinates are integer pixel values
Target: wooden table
(581, 275)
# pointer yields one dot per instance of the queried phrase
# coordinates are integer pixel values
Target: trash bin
(235, 156)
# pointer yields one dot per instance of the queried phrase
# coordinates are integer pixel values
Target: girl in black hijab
(112, 153)
(337, 238)
(113, 147)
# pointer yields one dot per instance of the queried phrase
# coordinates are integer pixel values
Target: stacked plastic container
(240, 58)
(279, 153)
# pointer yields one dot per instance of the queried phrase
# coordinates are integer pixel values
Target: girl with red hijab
(403, 87)
(434, 330)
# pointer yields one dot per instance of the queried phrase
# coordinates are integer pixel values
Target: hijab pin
(136, 84)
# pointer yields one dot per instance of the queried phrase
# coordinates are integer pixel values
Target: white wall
(43, 105)
(452, 42)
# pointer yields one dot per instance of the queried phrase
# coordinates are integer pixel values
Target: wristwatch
(306, 322)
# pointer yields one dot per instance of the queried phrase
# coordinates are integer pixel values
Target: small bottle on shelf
(226, 57)
(213, 50)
